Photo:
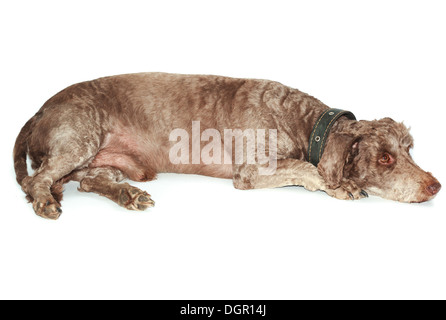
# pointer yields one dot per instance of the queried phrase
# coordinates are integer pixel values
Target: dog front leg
(288, 172)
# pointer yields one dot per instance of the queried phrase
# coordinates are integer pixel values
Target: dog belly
(141, 160)
(142, 170)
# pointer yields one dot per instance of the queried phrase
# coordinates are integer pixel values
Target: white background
(204, 239)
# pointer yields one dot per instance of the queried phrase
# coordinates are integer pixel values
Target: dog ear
(340, 149)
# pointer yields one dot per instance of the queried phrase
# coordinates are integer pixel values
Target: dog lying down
(259, 133)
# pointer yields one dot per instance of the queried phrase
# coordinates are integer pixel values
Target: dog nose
(433, 188)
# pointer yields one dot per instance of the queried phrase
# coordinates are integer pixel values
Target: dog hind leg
(44, 188)
(105, 181)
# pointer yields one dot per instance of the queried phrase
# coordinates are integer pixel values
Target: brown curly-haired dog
(103, 131)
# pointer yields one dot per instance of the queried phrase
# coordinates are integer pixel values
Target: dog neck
(321, 130)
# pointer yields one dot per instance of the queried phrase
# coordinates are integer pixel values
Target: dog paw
(133, 198)
(348, 190)
(48, 209)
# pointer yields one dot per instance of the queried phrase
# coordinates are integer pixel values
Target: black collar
(321, 130)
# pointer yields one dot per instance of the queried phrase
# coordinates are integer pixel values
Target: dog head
(376, 156)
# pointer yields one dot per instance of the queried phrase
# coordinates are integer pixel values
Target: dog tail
(21, 150)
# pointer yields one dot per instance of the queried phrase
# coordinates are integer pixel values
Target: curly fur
(121, 125)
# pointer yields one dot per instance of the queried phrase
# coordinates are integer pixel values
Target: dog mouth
(422, 192)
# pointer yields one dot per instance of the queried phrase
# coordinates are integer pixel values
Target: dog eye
(386, 158)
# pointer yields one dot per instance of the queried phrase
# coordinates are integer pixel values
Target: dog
(134, 126)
